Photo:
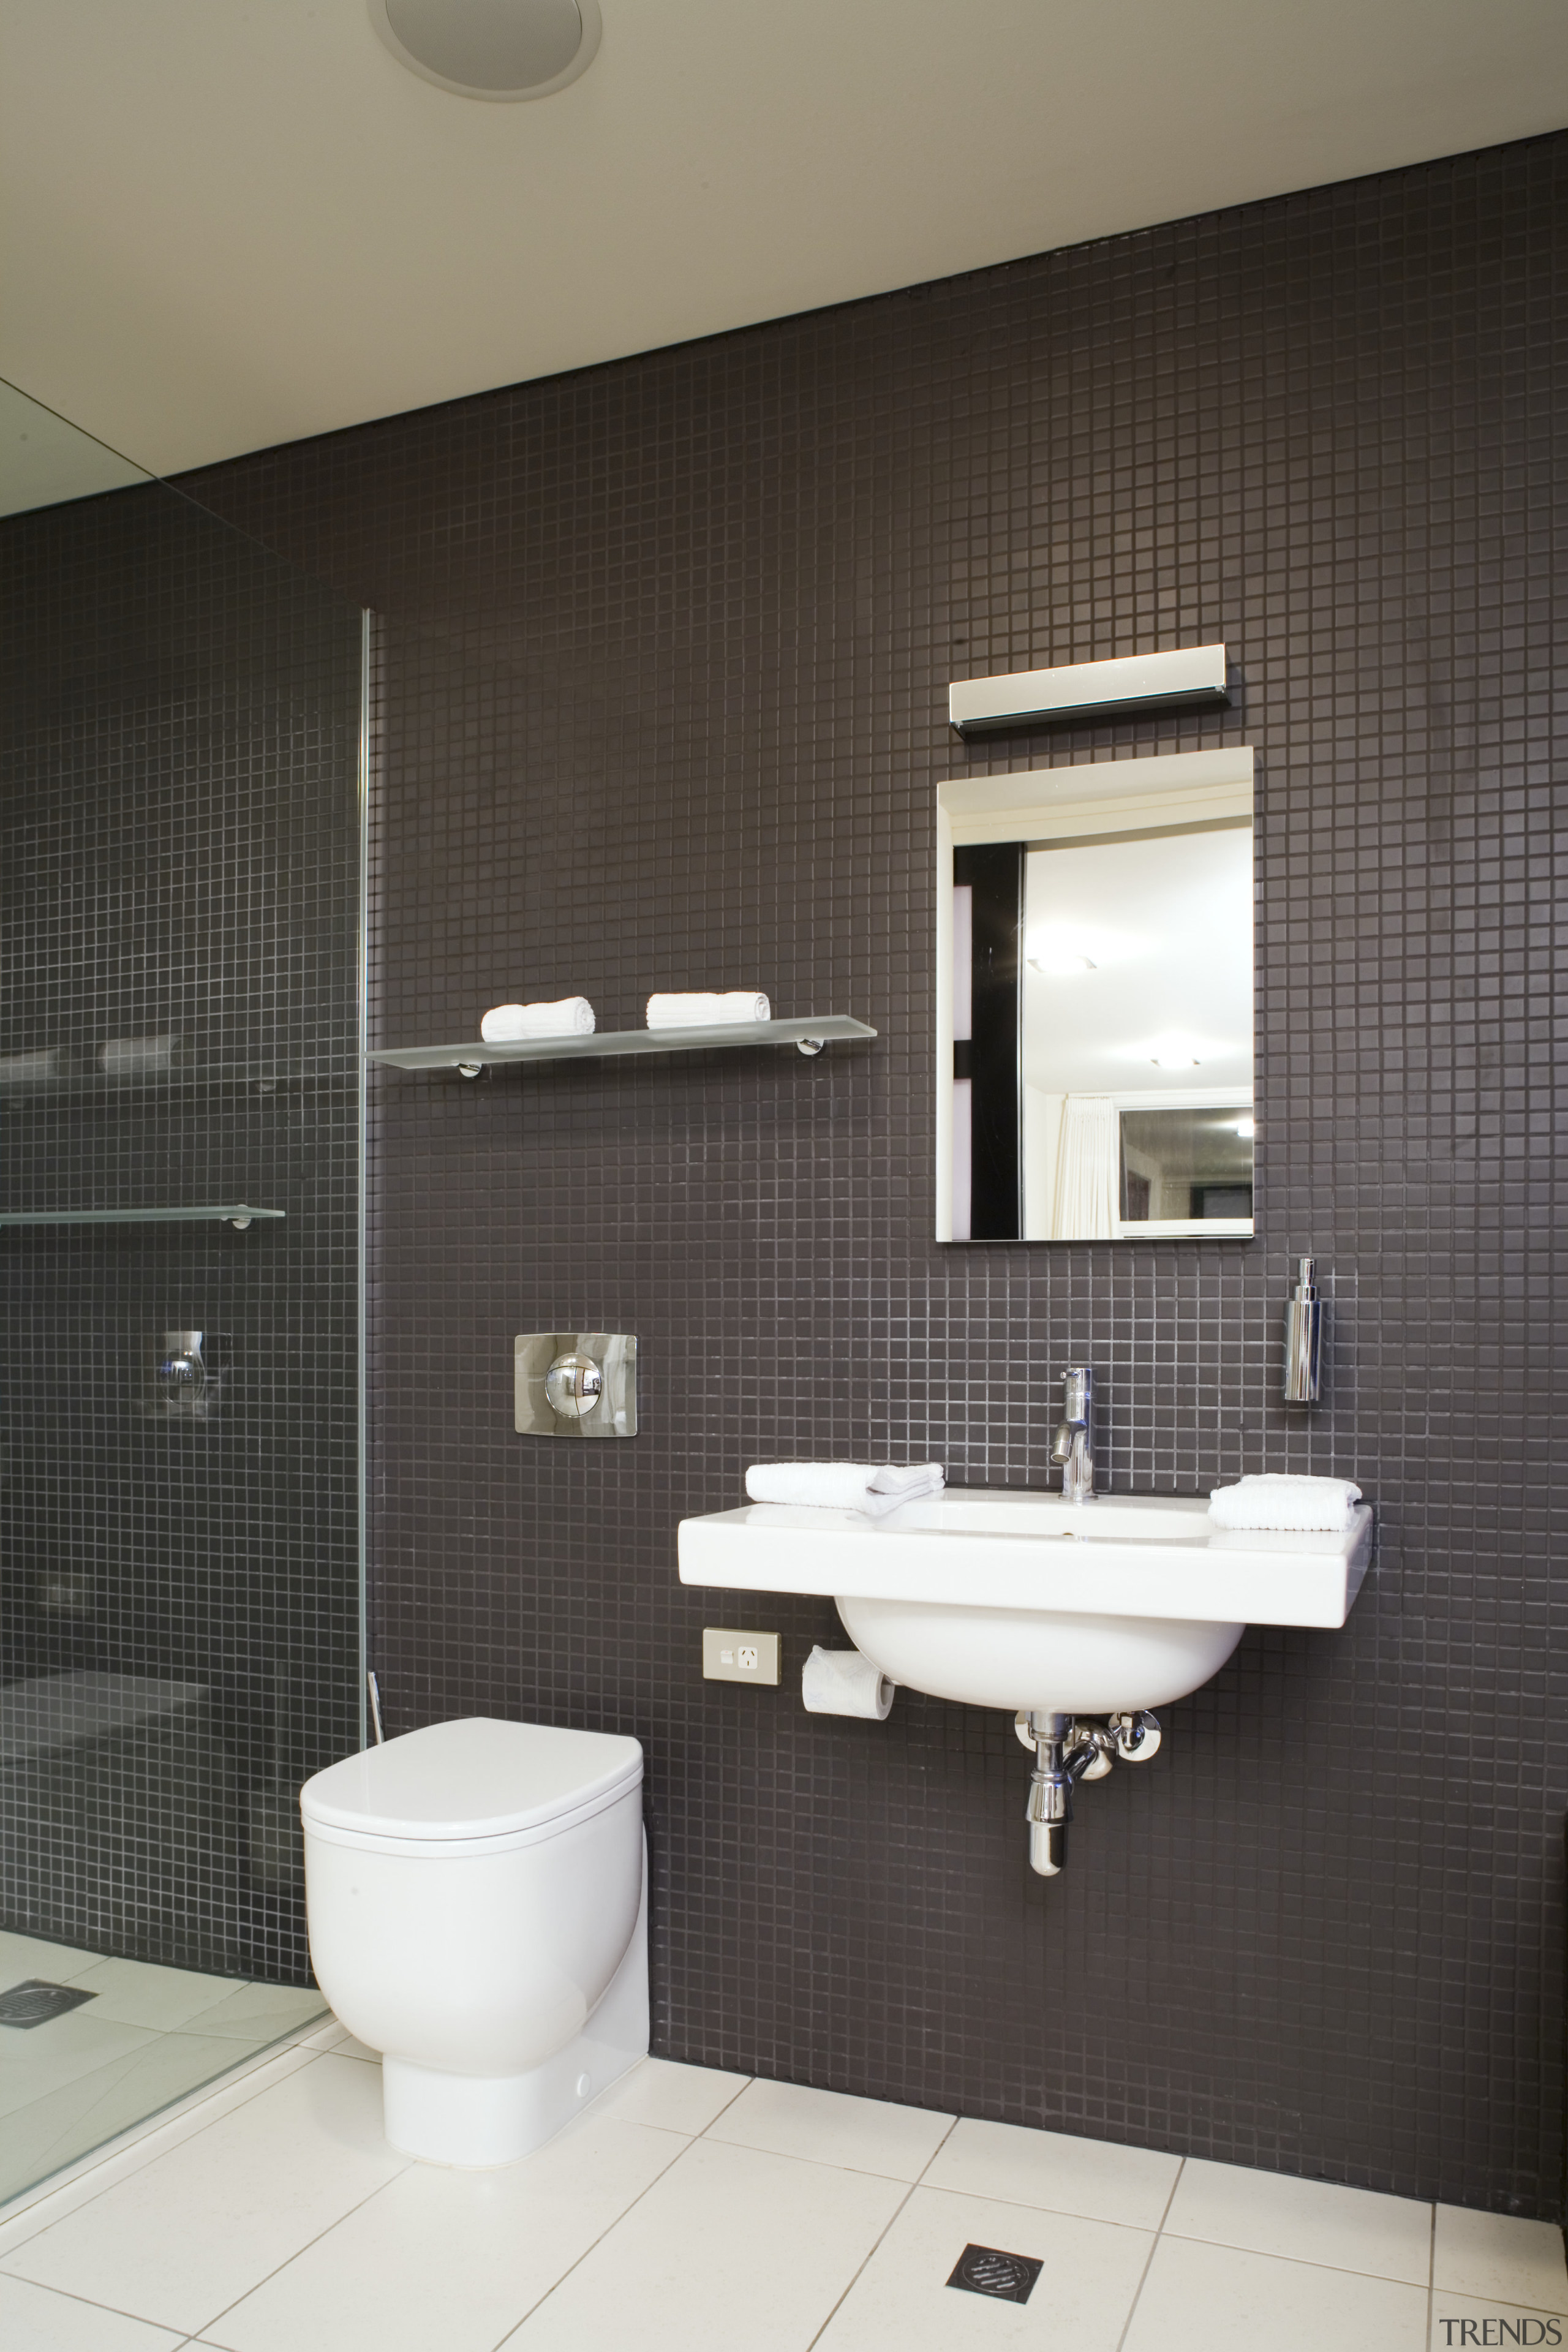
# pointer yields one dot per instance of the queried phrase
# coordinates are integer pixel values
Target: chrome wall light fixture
(1192, 678)
(491, 49)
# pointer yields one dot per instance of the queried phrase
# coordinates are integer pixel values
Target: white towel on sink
(1297, 1506)
(874, 1488)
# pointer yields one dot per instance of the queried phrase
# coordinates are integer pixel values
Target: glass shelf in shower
(222, 1212)
(604, 1044)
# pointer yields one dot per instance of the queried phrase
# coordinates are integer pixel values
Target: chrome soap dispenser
(1304, 1339)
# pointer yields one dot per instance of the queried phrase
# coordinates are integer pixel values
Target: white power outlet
(729, 1655)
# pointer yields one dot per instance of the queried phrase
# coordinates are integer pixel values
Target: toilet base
(479, 2121)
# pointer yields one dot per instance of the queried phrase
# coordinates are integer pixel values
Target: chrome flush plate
(574, 1384)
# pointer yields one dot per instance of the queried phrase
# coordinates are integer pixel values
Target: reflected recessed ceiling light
(1247, 1127)
(491, 49)
(1062, 949)
(1060, 964)
(1176, 1053)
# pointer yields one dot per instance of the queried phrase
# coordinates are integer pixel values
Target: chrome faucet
(1074, 1445)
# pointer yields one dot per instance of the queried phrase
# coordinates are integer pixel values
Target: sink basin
(1002, 1598)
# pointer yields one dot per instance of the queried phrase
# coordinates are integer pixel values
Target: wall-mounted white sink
(1004, 1598)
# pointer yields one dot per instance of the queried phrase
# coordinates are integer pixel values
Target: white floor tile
(1450, 2312)
(902, 2301)
(37, 2059)
(1201, 2298)
(1019, 2165)
(1501, 2258)
(1308, 2221)
(728, 2249)
(828, 2128)
(670, 2098)
(28, 1956)
(451, 2259)
(32, 2319)
(140, 1994)
(181, 2239)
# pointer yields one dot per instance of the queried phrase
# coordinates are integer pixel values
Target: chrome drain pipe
(1065, 1751)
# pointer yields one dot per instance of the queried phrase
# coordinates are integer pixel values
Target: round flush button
(573, 1385)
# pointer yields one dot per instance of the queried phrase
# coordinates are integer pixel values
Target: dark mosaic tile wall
(667, 644)
(179, 857)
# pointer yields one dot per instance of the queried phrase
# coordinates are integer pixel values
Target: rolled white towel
(137, 1057)
(506, 1024)
(845, 1486)
(845, 1681)
(1298, 1505)
(699, 1011)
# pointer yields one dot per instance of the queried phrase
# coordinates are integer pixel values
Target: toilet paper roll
(844, 1682)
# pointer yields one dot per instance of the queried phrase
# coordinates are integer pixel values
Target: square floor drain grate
(34, 2002)
(984, 2270)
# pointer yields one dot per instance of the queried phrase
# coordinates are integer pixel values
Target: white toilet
(477, 1894)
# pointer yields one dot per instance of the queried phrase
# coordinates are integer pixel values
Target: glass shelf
(810, 1036)
(238, 1213)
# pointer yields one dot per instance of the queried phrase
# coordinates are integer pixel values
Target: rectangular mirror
(1094, 1001)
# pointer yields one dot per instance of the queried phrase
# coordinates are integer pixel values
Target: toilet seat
(476, 1786)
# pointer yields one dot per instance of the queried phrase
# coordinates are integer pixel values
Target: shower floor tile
(28, 1956)
(147, 2036)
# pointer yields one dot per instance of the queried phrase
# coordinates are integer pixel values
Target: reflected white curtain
(1088, 1169)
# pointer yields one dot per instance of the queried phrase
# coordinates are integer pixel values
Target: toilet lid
(475, 1779)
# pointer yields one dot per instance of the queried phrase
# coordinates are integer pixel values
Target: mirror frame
(1079, 797)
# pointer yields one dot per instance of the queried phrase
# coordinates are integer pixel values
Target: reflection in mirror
(1095, 1001)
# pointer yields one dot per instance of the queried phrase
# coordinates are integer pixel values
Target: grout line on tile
(814, 2163)
(620, 2217)
(1307, 2262)
(1431, 2273)
(936, 2151)
(952, 2126)
(1149, 2258)
(256, 2284)
(870, 2254)
(1332, 2269)
(1176, 2184)
(1501, 2301)
(726, 2107)
(91, 2302)
(629, 2123)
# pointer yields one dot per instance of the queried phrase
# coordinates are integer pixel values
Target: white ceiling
(230, 223)
(1167, 926)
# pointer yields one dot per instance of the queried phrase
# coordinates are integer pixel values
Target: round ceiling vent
(491, 49)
